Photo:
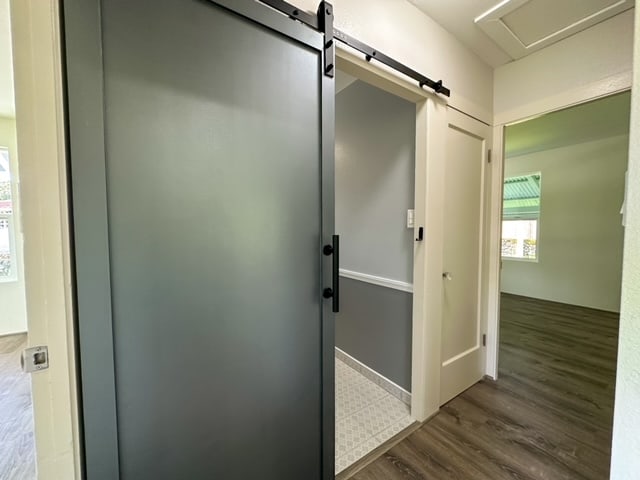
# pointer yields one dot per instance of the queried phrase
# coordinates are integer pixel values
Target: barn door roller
(323, 22)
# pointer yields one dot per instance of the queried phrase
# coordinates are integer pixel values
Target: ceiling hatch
(521, 27)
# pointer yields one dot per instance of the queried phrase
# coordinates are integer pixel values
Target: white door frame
(551, 104)
(431, 121)
(40, 126)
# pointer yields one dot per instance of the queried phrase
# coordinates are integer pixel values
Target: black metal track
(369, 52)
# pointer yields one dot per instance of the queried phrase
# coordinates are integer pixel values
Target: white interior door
(462, 326)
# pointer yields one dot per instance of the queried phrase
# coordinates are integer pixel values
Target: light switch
(410, 218)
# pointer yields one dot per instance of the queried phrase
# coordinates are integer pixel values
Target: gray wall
(374, 326)
(581, 234)
(375, 168)
(375, 163)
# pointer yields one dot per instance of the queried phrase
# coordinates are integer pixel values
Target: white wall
(400, 30)
(13, 314)
(375, 164)
(581, 234)
(625, 461)
(592, 63)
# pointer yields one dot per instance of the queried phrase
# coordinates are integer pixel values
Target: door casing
(429, 192)
(40, 119)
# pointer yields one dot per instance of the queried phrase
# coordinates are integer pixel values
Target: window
(7, 244)
(520, 217)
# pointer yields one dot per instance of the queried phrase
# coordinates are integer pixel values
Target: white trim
(377, 378)
(461, 355)
(11, 334)
(616, 83)
(426, 354)
(380, 281)
(378, 75)
(494, 260)
(36, 38)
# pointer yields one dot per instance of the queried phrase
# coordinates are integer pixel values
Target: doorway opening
(16, 407)
(561, 247)
(374, 211)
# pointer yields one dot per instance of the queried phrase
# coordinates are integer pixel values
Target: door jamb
(552, 104)
(431, 121)
(37, 51)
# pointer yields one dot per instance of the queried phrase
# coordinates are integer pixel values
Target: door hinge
(484, 339)
(35, 359)
(489, 156)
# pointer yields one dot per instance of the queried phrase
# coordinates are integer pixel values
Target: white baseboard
(11, 334)
(394, 389)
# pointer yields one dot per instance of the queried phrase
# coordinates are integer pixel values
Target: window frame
(527, 216)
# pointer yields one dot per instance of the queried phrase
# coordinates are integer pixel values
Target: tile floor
(366, 416)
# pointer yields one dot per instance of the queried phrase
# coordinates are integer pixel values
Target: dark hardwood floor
(549, 416)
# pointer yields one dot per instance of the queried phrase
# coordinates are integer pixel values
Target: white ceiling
(509, 29)
(7, 108)
(603, 118)
(457, 16)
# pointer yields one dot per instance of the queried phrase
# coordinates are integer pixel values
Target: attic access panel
(521, 27)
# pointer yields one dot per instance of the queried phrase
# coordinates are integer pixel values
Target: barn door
(201, 146)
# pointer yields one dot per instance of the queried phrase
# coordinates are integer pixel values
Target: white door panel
(462, 351)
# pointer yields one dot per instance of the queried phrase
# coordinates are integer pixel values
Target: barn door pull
(334, 291)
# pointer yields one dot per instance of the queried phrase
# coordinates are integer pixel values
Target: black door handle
(334, 291)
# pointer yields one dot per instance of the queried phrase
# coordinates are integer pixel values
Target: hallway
(548, 417)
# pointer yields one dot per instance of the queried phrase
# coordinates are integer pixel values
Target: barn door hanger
(323, 22)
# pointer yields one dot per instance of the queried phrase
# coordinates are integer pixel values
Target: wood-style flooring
(549, 416)
(17, 450)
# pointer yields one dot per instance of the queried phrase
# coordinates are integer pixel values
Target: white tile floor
(366, 416)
